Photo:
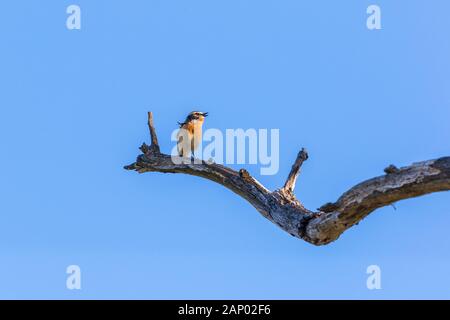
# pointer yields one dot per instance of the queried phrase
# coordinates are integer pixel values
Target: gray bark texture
(327, 223)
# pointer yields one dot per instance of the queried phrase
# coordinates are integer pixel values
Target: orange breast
(188, 127)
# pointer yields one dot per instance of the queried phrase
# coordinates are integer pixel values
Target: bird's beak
(205, 114)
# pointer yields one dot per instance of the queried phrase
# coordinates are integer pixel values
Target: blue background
(73, 112)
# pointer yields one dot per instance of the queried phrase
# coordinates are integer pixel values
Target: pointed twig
(154, 138)
(289, 185)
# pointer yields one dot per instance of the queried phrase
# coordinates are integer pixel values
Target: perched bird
(190, 133)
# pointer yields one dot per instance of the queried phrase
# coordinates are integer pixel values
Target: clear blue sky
(73, 112)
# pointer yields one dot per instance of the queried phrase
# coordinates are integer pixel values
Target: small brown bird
(190, 134)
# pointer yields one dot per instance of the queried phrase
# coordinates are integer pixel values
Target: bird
(190, 133)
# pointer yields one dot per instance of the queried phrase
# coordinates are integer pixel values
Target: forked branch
(285, 210)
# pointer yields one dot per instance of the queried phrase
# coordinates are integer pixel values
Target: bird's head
(196, 115)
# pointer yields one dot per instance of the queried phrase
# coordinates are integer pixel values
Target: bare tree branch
(282, 207)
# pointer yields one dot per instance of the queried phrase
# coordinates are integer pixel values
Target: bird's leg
(192, 156)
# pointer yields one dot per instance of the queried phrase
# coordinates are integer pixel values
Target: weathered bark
(285, 210)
